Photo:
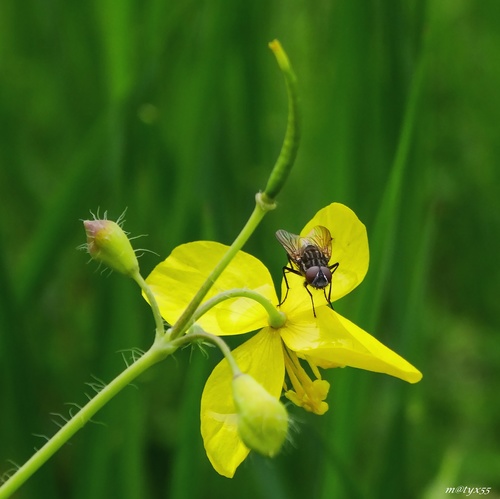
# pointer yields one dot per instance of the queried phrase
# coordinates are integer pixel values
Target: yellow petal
(302, 331)
(334, 341)
(177, 279)
(349, 246)
(261, 357)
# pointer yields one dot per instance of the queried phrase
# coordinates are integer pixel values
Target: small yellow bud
(262, 419)
(107, 243)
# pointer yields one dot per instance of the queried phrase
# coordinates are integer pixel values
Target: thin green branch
(290, 146)
(276, 318)
(155, 354)
(185, 319)
(160, 328)
(198, 334)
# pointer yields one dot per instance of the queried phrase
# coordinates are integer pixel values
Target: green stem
(255, 218)
(199, 334)
(155, 354)
(276, 318)
(290, 146)
(160, 328)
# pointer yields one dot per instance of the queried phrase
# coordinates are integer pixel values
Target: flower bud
(262, 419)
(107, 243)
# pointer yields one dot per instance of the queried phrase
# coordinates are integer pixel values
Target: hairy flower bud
(262, 419)
(107, 243)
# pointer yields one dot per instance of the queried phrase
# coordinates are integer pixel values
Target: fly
(309, 257)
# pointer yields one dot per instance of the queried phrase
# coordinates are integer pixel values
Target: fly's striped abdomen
(312, 257)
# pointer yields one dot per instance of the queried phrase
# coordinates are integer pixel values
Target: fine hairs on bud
(108, 243)
(262, 418)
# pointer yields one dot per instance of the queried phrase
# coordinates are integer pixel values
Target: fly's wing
(321, 238)
(292, 244)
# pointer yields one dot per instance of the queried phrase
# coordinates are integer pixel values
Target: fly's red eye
(311, 274)
(327, 273)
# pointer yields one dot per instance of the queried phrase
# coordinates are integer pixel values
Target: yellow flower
(327, 340)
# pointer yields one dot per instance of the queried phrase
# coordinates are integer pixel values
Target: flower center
(307, 393)
(276, 318)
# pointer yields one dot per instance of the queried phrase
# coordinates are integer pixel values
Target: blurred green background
(176, 110)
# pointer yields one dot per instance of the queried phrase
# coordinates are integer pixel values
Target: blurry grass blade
(384, 233)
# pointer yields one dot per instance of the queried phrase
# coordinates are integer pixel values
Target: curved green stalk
(291, 142)
(160, 328)
(198, 334)
(265, 200)
(276, 317)
(185, 319)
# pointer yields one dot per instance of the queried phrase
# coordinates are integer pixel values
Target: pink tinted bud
(107, 243)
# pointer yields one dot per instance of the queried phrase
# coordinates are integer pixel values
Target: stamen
(306, 393)
(314, 367)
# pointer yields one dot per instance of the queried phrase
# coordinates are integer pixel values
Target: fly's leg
(312, 299)
(327, 298)
(333, 268)
(285, 271)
